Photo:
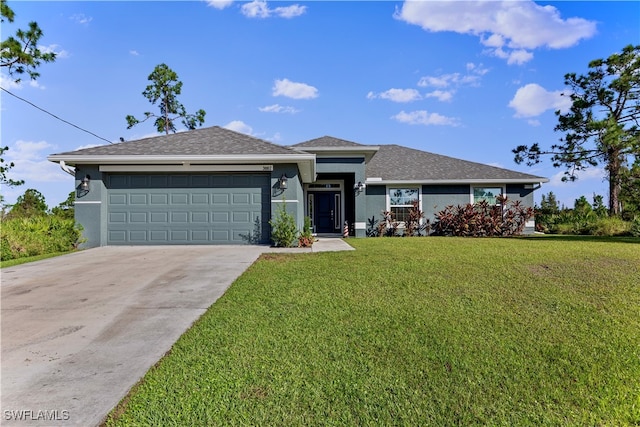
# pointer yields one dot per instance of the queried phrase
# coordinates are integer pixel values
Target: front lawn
(412, 331)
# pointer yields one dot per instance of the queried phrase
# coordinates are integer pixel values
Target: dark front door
(327, 212)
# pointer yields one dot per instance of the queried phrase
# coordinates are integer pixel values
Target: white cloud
(591, 174)
(256, 9)
(472, 78)
(423, 117)
(510, 29)
(275, 138)
(294, 90)
(81, 18)
(134, 52)
(532, 100)
(277, 108)
(220, 4)
(441, 95)
(82, 147)
(260, 9)
(54, 48)
(444, 80)
(290, 11)
(397, 95)
(239, 126)
(9, 83)
(31, 164)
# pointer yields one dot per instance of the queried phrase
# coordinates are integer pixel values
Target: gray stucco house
(216, 186)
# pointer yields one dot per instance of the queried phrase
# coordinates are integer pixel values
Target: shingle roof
(328, 141)
(398, 163)
(206, 142)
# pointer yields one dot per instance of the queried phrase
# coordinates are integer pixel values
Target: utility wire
(53, 115)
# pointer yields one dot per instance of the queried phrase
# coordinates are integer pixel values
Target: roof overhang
(368, 151)
(377, 181)
(306, 162)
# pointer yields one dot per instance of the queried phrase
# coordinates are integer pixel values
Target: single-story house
(217, 186)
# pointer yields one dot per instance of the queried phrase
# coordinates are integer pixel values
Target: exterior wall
(519, 192)
(376, 203)
(292, 197)
(90, 207)
(525, 196)
(437, 197)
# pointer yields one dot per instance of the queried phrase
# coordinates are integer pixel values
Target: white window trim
(503, 190)
(404, 187)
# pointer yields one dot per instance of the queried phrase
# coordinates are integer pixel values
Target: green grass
(18, 261)
(424, 331)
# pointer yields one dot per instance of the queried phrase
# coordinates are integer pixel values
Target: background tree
(598, 205)
(21, 54)
(4, 169)
(31, 203)
(630, 191)
(163, 91)
(66, 209)
(549, 204)
(602, 124)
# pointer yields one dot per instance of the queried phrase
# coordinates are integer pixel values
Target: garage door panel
(138, 236)
(159, 199)
(200, 199)
(138, 199)
(241, 217)
(241, 198)
(179, 199)
(200, 236)
(160, 236)
(186, 209)
(220, 235)
(220, 199)
(220, 216)
(138, 217)
(117, 199)
(118, 217)
(200, 217)
(159, 217)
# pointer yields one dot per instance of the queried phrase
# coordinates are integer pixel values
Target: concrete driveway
(79, 330)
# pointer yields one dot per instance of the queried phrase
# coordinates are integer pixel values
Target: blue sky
(470, 80)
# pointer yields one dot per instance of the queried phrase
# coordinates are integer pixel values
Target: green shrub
(283, 228)
(610, 227)
(37, 235)
(306, 239)
(482, 219)
(634, 230)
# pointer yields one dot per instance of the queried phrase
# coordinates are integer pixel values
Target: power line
(53, 115)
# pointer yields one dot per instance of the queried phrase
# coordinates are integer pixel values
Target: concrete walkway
(79, 330)
(322, 244)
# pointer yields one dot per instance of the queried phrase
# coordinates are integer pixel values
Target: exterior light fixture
(84, 183)
(359, 187)
(282, 182)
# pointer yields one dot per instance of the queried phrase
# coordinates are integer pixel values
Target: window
(489, 194)
(401, 200)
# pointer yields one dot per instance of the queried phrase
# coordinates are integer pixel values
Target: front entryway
(327, 212)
